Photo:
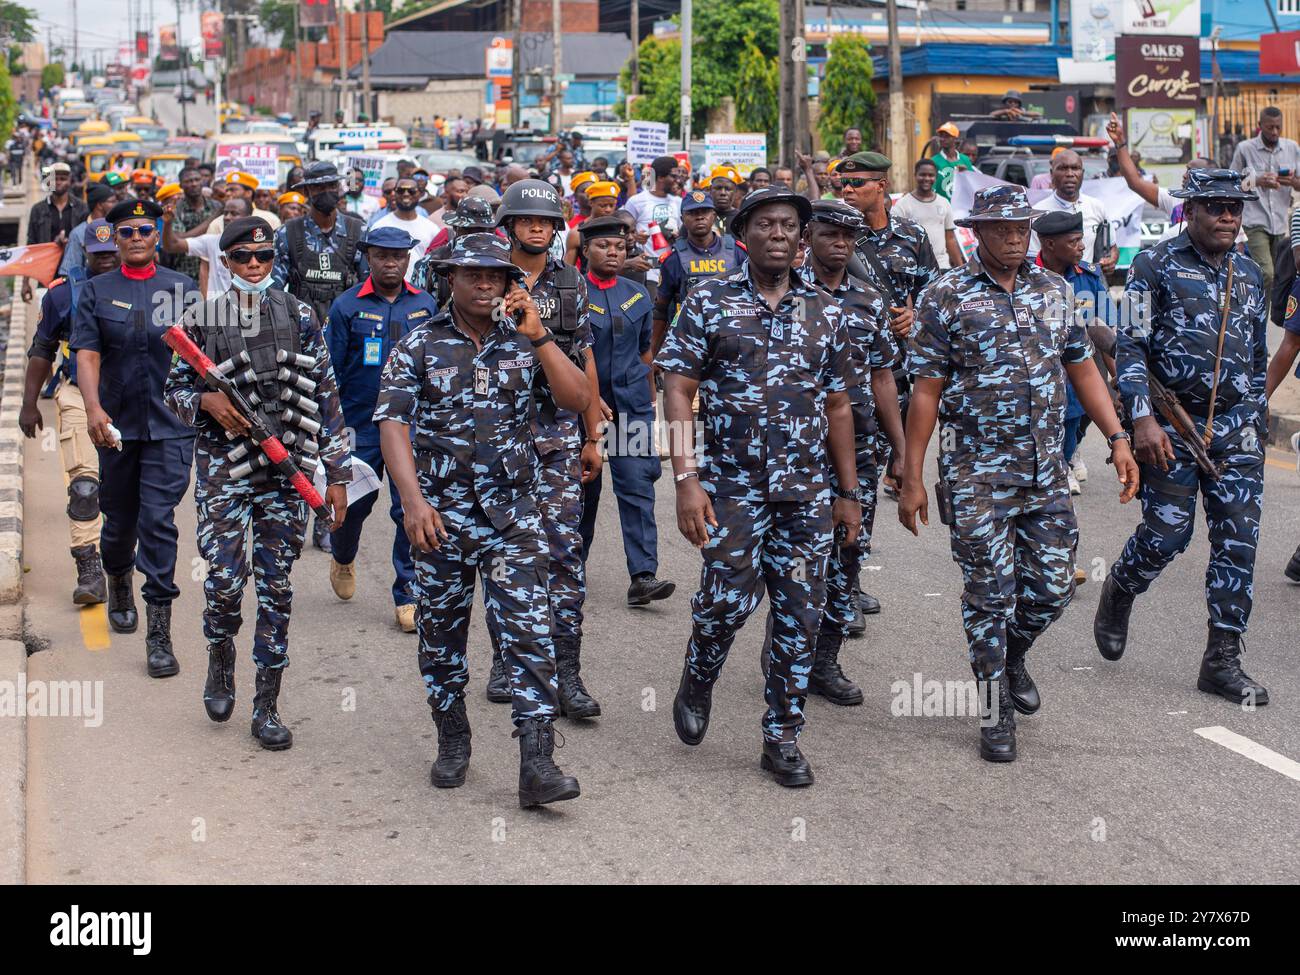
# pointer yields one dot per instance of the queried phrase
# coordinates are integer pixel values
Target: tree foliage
(757, 103)
(52, 75)
(8, 104)
(727, 38)
(847, 98)
(16, 22)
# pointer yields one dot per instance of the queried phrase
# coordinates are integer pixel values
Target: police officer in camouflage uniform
(319, 256)
(464, 381)
(270, 345)
(986, 359)
(895, 255)
(531, 215)
(874, 397)
(473, 215)
(1201, 293)
(768, 354)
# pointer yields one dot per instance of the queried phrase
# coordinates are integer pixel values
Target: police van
(330, 141)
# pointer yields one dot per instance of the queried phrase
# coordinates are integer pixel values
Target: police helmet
(530, 198)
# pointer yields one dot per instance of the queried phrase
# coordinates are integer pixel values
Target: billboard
(1157, 72)
(168, 49)
(317, 13)
(1162, 17)
(1093, 27)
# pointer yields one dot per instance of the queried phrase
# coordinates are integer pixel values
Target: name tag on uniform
(975, 305)
(481, 380)
(122, 304)
(1190, 275)
(596, 308)
(446, 373)
(631, 301)
(517, 363)
(370, 316)
(421, 313)
(372, 351)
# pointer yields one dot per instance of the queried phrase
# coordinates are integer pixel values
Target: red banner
(317, 13)
(1280, 53)
(142, 44)
(168, 49)
(212, 24)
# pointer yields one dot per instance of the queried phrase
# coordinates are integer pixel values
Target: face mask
(325, 202)
(249, 287)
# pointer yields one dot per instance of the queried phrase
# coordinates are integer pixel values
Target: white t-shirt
(219, 224)
(1094, 215)
(421, 228)
(663, 210)
(935, 216)
(206, 247)
(363, 207)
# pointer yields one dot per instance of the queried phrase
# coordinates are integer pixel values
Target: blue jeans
(347, 539)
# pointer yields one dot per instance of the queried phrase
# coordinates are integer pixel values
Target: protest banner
(744, 150)
(646, 141)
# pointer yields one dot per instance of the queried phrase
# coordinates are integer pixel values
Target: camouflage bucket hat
(480, 250)
(473, 211)
(1213, 184)
(999, 203)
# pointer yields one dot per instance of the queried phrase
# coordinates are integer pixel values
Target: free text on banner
(744, 150)
(256, 159)
(373, 169)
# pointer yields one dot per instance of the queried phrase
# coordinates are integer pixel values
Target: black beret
(246, 230)
(97, 193)
(1058, 222)
(610, 226)
(133, 210)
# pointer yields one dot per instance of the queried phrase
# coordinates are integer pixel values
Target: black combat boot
(1221, 671)
(827, 678)
(691, 708)
(498, 685)
(786, 763)
(868, 603)
(540, 779)
(452, 762)
(159, 657)
(91, 586)
(270, 732)
(1110, 625)
(1024, 692)
(1293, 567)
(575, 702)
(997, 721)
(122, 616)
(645, 588)
(858, 624)
(219, 688)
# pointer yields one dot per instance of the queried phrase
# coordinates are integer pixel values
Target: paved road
(1113, 783)
(200, 116)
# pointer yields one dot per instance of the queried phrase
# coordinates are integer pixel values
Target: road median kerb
(11, 458)
(13, 760)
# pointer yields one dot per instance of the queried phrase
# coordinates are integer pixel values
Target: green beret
(864, 162)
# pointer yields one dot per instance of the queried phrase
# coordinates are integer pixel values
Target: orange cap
(167, 191)
(602, 188)
(243, 179)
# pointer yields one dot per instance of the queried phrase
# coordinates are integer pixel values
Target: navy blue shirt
(1092, 302)
(358, 317)
(707, 261)
(124, 321)
(621, 321)
(54, 326)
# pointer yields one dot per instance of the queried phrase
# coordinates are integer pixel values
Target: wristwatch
(854, 494)
(1122, 435)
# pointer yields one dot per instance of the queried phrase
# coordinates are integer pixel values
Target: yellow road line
(94, 627)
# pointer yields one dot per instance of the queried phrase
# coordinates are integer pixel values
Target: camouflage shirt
(904, 252)
(183, 392)
(1177, 334)
(471, 411)
(557, 430)
(871, 344)
(763, 377)
(1000, 356)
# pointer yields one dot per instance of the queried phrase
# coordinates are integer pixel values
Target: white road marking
(1081, 668)
(873, 568)
(934, 594)
(1175, 712)
(1253, 750)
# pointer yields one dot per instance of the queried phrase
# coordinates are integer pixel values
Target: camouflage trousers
(780, 546)
(1232, 509)
(278, 520)
(559, 500)
(846, 560)
(1015, 547)
(512, 565)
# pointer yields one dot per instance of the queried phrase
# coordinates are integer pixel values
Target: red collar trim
(601, 285)
(368, 288)
(139, 273)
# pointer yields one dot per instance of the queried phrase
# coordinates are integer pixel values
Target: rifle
(1163, 402)
(267, 442)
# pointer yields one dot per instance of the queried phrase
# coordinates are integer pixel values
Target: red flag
(39, 261)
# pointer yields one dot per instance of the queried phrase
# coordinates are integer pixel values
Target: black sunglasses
(1217, 208)
(857, 182)
(242, 255)
(126, 233)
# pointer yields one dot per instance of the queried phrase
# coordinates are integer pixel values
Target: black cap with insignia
(1058, 222)
(245, 230)
(610, 226)
(134, 210)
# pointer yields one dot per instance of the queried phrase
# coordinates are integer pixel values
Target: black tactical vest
(318, 277)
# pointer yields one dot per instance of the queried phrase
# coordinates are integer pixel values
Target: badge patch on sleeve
(1290, 306)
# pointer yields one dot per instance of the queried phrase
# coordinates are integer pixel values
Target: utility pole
(180, 52)
(297, 66)
(636, 53)
(516, 60)
(76, 55)
(343, 60)
(688, 14)
(557, 68)
(793, 91)
(365, 58)
(897, 116)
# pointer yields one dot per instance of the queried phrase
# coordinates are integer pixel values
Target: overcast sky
(104, 23)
